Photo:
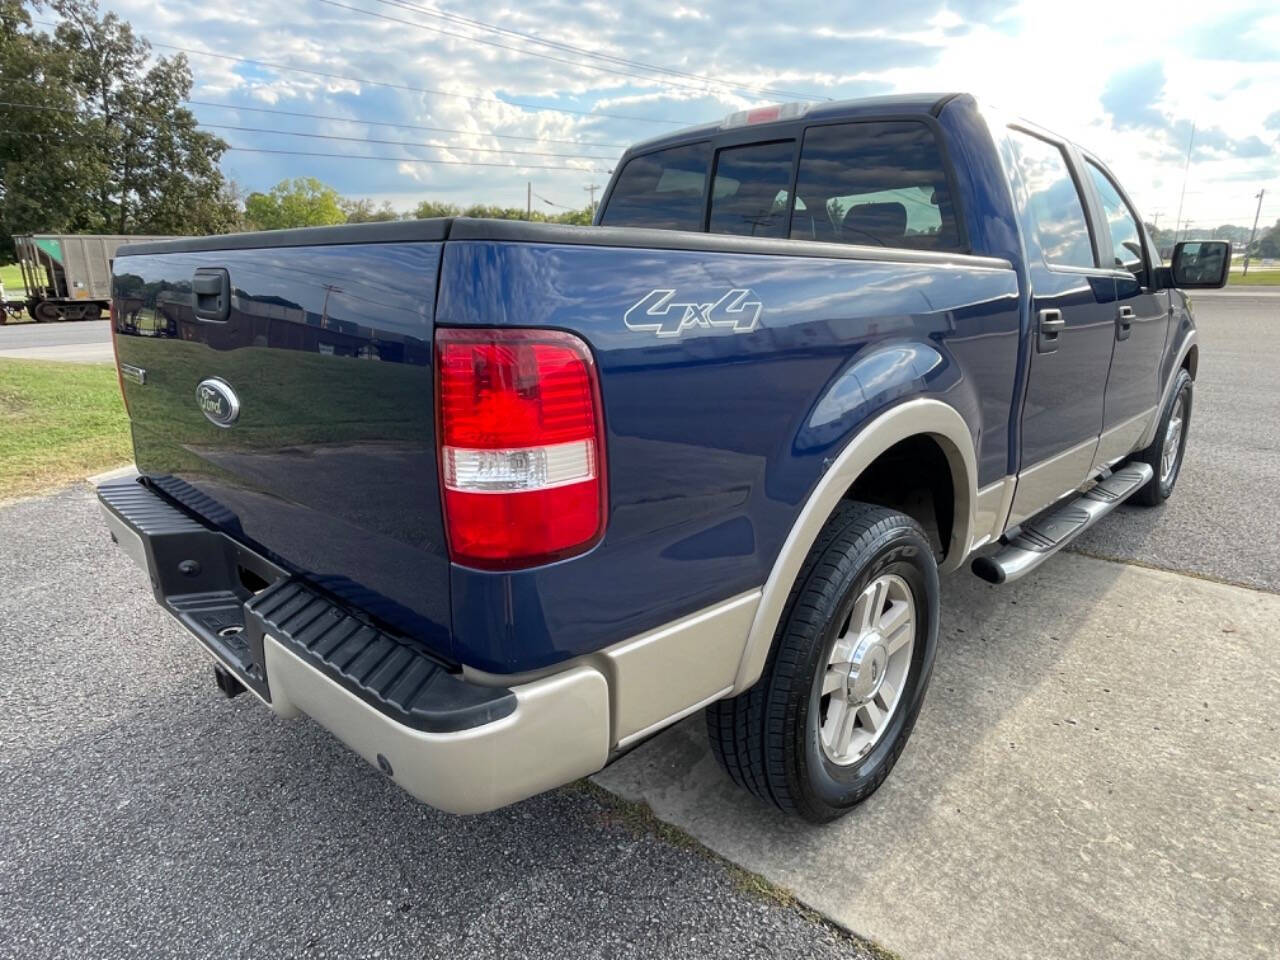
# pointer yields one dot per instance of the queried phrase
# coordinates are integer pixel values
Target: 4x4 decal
(658, 311)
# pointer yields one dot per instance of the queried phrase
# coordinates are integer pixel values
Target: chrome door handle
(1051, 324)
(1124, 320)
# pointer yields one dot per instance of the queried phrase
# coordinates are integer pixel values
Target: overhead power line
(515, 165)
(358, 121)
(399, 86)
(405, 126)
(451, 17)
(699, 83)
(451, 163)
(402, 143)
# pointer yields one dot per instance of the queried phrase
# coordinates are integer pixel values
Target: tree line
(95, 138)
(309, 202)
(1266, 243)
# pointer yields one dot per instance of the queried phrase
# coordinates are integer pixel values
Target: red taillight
(521, 445)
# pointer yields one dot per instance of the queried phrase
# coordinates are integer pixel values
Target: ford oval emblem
(218, 402)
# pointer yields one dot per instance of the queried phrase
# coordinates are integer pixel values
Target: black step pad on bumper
(383, 670)
(197, 574)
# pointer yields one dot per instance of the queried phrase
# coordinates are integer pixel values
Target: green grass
(1256, 277)
(11, 277)
(59, 422)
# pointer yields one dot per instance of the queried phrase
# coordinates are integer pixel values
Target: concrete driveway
(1096, 771)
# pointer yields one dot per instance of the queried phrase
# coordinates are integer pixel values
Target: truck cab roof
(895, 104)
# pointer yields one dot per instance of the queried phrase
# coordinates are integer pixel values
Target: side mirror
(1200, 264)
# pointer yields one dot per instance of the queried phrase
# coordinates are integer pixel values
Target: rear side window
(750, 193)
(1126, 241)
(1054, 208)
(663, 189)
(874, 183)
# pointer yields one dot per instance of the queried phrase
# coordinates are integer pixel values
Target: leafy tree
(490, 212)
(101, 141)
(363, 211)
(429, 209)
(1269, 244)
(300, 202)
(434, 208)
(581, 218)
(158, 173)
(44, 186)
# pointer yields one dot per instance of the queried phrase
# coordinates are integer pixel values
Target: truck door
(1141, 321)
(1072, 325)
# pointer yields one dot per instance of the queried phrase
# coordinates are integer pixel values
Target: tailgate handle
(211, 294)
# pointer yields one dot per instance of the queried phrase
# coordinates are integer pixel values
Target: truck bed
(713, 440)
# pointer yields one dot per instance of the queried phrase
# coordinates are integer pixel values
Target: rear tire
(847, 675)
(1167, 447)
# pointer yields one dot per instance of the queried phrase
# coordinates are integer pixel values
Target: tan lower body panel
(666, 674)
(1052, 479)
(558, 732)
(1121, 440)
(990, 510)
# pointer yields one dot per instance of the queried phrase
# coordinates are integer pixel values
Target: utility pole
(1185, 170)
(1254, 232)
(592, 188)
(528, 201)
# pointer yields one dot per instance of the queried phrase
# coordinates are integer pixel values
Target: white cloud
(1220, 66)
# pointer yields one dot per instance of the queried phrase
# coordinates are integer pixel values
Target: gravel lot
(144, 816)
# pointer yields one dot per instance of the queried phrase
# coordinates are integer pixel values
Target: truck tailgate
(284, 393)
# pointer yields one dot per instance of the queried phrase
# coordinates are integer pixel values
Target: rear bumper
(459, 745)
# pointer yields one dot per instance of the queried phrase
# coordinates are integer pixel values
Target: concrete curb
(119, 473)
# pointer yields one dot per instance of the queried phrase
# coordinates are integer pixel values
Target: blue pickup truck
(496, 501)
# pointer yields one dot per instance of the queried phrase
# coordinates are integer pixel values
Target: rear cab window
(751, 191)
(869, 182)
(665, 189)
(874, 183)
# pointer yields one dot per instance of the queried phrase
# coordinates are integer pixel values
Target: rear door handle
(1124, 320)
(1051, 325)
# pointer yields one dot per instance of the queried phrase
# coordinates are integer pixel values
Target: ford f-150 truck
(495, 501)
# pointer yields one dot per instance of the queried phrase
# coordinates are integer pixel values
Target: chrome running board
(1044, 536)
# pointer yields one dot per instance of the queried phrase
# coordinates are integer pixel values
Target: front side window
(1054, 207)
(663, 189)
(1126, 241)
(874, 183)
(750, 194)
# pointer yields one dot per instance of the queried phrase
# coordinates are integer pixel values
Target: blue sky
(1126, 80)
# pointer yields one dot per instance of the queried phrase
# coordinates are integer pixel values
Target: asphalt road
(78, 341)
(145, 816)
(1223, 521)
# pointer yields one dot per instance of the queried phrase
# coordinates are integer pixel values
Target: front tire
(1169, 444)
(845, 681)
